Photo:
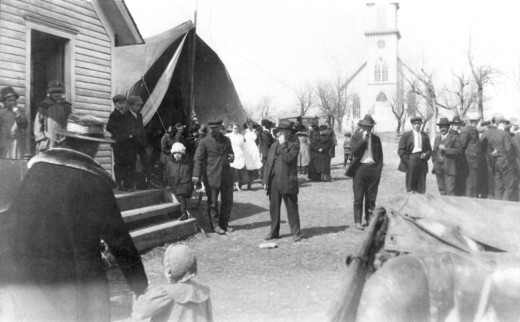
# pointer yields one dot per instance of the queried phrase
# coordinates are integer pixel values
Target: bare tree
(306, 99)
(399, 112)
(483, 75)
(264, 106)
(465, 95)
(334, 101)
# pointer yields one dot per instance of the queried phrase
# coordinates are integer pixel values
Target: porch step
(133, 215)
(156, 235)
(137, 199)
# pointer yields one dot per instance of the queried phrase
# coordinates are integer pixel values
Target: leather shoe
(183, 217)
(358, 226)
(296, 238)
(219, 230)
(271, 236)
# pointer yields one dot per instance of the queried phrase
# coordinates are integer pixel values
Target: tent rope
(153, 103)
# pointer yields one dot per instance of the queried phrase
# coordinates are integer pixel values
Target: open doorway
(47, 64)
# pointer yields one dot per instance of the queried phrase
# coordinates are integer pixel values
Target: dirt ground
(294, 282)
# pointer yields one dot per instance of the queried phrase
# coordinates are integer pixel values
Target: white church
(377, 84)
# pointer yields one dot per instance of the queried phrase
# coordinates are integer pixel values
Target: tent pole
(191, 105)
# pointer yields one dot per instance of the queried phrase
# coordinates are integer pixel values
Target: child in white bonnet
(182, 299)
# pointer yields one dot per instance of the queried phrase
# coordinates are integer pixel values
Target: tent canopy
(161, 73)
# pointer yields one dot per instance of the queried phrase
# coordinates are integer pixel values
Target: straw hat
(86, 127)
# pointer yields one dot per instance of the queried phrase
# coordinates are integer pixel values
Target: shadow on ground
(317, 231)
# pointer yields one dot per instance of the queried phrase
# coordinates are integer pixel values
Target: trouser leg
(226, 190)
(293, 215)
(471, 183)
(441, 183)
(275, 200)
(359, 184)
(371, 193)
(450, 182)
(213, 207)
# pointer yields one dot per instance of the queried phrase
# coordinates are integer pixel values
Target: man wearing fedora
(415, 151)
(122, 133)
(12, 125)
(446, 153)
(51, 116)
(137, 146)
(281, 180)
(51, 265)
(470, 144)
(365, 168)
(212, 162)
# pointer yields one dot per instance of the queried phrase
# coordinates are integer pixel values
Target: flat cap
(119, 98)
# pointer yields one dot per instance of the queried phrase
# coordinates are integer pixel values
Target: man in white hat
(471, 146)
(51, 265)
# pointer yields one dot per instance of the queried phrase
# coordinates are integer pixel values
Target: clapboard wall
(89, 71)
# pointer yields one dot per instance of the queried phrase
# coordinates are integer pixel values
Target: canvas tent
(161, 73)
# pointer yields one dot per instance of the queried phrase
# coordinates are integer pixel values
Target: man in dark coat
(51, 267)
(281, 180)
(314, 140)
(415, 150)
(470, 144)
(501, 151)
(266, 140)
(484, 141)
(462, 170)
(138, 146)
(119, 126)
(445, 158)
(366, 168)
(212, 161)
(320, 149)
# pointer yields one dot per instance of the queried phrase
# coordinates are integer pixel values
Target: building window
(381, 71)
(381, 97)
(356, 107)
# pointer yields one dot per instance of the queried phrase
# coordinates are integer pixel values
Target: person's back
(180, 300)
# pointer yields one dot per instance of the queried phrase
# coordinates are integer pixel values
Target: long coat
(406, 147)
(283, 160)
(266, 139)
(51, 263)
(12, 134)
(211, 158)
(322, 159)
(500, 141)
(470, 145)
(179, 176)
(447, 162)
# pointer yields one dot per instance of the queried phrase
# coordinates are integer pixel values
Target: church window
(381, 97)
(356, 107)
(381, 71)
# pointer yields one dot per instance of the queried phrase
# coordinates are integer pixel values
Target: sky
(272, 48)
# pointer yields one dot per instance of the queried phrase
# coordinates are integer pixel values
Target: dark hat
(214, 124)
(486, 123)
(267, 123)
(456, 120)
(285, 125)
(7, 92)
(323, 127)
(180, 126)
(132, 100)
(501, 119)
(119, 98)
(170, 129)
(55, 86)
(443, 121)
(348, 134)
(367, 121)
(414, 119)
(86, 127)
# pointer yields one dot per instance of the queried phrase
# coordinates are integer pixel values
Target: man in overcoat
(212, 162)
(491, 128)
(122, 133)
(266, 140)
(470, 143)
(138, 143)
(281, 180)
(446, 153)
(366, 168)
(500, 148)
(51, 267)
(415, 151)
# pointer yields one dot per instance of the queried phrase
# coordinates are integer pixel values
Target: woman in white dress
(237, 142)
(251, 153)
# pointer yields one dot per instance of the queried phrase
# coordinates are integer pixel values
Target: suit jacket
(470, 144)
(359, 146)
(446, 161)
(211, 158)
(406, 148)
(500, 141)
(282, 166)
(120, 126)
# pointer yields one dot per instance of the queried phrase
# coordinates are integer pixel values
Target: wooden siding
(92, 74)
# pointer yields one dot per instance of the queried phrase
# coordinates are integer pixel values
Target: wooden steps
(151, 217)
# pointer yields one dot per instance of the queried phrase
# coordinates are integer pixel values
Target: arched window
(381, 97)
(356, 107)
(381, 71)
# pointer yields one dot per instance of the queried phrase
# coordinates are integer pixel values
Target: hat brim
(441, 124)
(363, 123)
(105, 139)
